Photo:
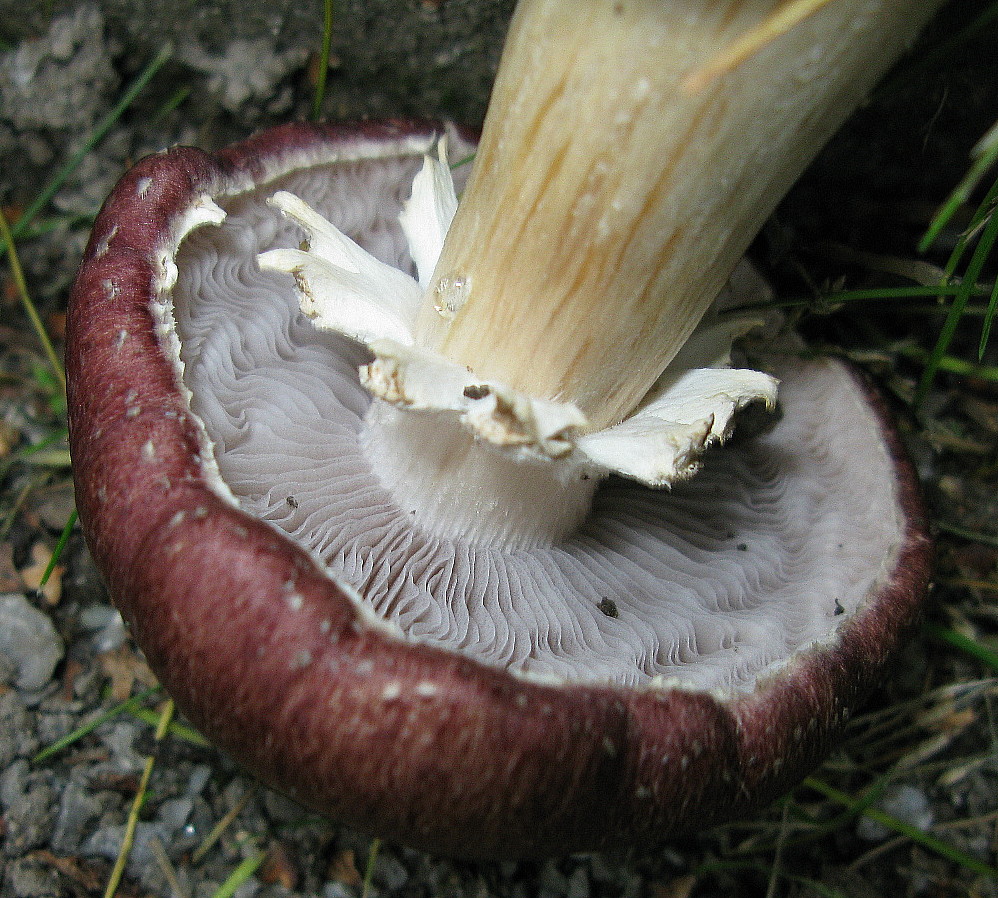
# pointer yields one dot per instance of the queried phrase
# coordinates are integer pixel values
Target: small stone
(77, 808)
(55, 725)
(106, 625)
(62, 79)
(578, 884)
(246, 70)
(174, 812)
(28, 879)
(390, 872)
(907, 803)
(30, 647)
(200, 775)
(56, 506)
(601, 870)
(106, 842)
(552, 880)
(206, 888)
(17, 734)
(247, 889)
(120, 740)
(26, 799)
(282, 809)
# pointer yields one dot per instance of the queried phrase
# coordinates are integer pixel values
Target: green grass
(72, 738)
(93, 139)
(323, 70)
(241, 874)
(965, 644)
(978, 240)
(924, 839)
(830, 802)
(17, 272)
(114, 880)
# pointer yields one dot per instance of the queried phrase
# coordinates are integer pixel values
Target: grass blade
(985, 155)
(118, 871)
(927, 841)
(60, 547)
(98, 134)
(77, 734)
(320, 75)
(985, 539)
(989, 316)
(984, 216)
(964, 644)
(240, 875)
(177, 730)
(952, 365)
(29, 307)
(372, 859)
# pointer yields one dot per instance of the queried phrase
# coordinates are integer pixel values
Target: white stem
(615, 189)
(461, 488)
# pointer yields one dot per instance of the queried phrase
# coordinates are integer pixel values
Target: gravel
(28, 799)
(65, 667)
(30, 648)
(61, 81)
(906, 803)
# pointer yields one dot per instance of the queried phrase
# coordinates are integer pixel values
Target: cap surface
(752, 607)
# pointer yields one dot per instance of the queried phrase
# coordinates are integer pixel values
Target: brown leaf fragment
(125, 669)
(72, 868)
(680, 887)
(10, 580)
(9, 438)
(278, 868)
(343, 868)
(33, 573)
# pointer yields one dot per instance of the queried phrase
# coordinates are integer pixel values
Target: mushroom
(547, 652)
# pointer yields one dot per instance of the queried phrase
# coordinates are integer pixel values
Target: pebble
(247, 889)
(55, 724)
(337, 890)
(30, 648)
(17, 731)
(174, 812)
(120, 739)
(106, 842)
(198, 825)
(27, 878)
(280, 808)
(206, 888)
(907, 803)
(199, 777)
(106, 626)
(248, 70)
(578, 884)
(27, 802)
(143, 859)
(77, 808)
(552, 881)
(390, 872)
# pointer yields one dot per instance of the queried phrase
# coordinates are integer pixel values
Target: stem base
(457, 487)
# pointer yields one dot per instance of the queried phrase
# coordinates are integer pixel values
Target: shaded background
(234, 67)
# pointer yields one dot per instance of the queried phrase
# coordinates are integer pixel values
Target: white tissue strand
(774, 544)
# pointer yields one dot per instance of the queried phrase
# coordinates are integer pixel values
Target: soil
(928, 740)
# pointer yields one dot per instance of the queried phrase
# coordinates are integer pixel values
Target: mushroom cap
(274, 656)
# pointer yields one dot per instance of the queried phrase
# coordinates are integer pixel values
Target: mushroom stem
(456, 486)
(624, 169)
